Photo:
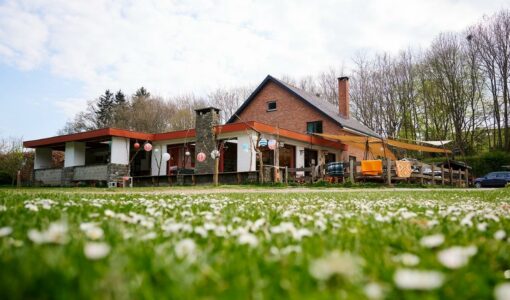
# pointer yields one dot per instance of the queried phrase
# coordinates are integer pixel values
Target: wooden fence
(422, 174)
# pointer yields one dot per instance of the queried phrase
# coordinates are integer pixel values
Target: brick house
(276, 111)
(284, 106)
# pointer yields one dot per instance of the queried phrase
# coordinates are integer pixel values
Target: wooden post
(388, 171)
(467, 177)
(18, 179)
(442, 174)
(216, 170)
(351, 170)
(451, 176)
(261, 167)
(421, 173)
(286, 175)
(433, 174)
(238, 178)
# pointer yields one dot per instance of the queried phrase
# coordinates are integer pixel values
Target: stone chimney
(205, 120)
(343, 97)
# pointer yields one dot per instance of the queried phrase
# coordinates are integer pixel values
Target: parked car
(493, 179)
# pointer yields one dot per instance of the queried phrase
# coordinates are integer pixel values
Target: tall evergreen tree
(104, 109)
(142, 93)
(120, 98)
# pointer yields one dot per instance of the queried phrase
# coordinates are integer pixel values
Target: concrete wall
(246, 160)
(74, 154)
(119, 151)
(43, 158)
(97, 173)
(51, 177)
(300, 159)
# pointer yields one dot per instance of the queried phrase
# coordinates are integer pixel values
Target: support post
(216, 170)
(351, 170)
(421, 173)
(442, 174)
(433, 167)
(388, 171)
(467, 177)
(451, 176)
(286, 175)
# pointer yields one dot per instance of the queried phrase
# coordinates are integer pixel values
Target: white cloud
(70, 106)
(174, 47)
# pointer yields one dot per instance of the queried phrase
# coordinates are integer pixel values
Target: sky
(57, 54)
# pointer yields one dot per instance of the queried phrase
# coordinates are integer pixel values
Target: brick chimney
(343, 97)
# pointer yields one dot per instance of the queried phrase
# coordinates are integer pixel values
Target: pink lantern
(201, 156)
(147, 147)
(136, 146)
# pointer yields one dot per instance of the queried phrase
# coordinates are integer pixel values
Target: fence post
(467, 178)
(421, 173)
(433, 174)
(351, 170)
(286, 175)
(388, 170)
(442, 174)
(451, 176)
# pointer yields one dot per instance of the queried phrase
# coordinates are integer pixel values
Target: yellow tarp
(360, 142)
(414, 147)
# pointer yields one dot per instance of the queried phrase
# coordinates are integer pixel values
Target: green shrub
(483, 163)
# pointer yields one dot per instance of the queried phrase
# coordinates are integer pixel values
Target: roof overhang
(107, 133)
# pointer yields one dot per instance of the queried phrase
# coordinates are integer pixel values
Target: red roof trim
(181, 134)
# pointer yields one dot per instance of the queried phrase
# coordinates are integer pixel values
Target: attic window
(271, 106)
(314, 127)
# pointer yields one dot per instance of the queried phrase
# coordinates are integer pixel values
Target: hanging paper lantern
(156, 149)
(187, 153)
(262, 143)
(166, 156)
(271, 144)
(201, 156)
(147, 147)
(136, 146)
(215, 154)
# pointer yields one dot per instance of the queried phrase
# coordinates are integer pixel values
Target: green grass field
(428, 244)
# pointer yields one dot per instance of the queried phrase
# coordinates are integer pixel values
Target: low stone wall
(48, 177)
(71, 176)
(86, 173)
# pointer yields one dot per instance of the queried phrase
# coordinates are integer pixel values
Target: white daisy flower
(432, 241)
(248, 239)
(95, 250)
(335, 263)
(500, 234)
(409, 279)
(456, 257)
(5, 231)
(185, 249)
(502, 291)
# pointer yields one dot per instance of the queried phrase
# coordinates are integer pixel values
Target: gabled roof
(321, 105)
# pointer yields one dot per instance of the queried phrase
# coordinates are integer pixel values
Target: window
(314, 127)
(271, 106)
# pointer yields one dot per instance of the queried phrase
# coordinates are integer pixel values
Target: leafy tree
(11, 157)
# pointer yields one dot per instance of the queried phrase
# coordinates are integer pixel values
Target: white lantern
(166, 156)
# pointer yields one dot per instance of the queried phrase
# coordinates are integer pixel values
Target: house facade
(275, 112)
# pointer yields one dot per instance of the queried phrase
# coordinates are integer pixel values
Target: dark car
(493, 179)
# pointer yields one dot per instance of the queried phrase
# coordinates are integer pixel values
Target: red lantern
(136, 146)
(147, 147)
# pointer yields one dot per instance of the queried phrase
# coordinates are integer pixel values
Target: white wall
(246, 160)
(300, 159)
(74, 154)
(156, 158)
(43, 158)
(119, 151)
